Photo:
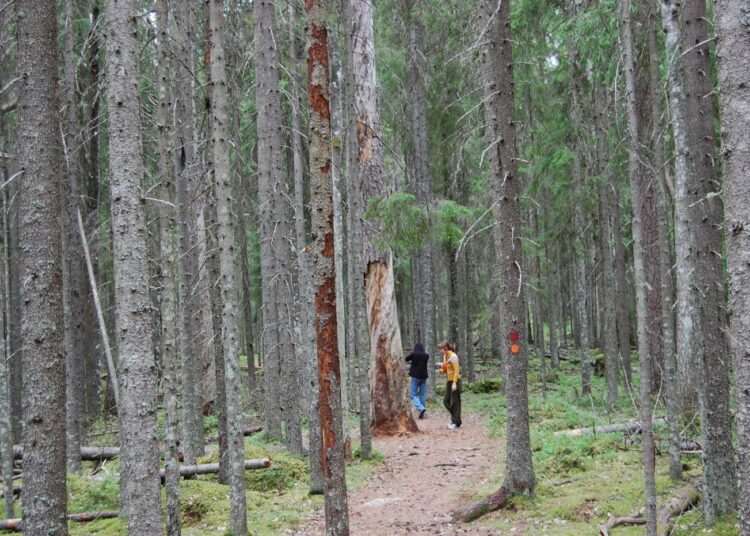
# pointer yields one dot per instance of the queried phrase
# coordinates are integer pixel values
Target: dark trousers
(452, 402)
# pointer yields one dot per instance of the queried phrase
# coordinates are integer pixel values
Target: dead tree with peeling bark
(391, 410)
(324, 275)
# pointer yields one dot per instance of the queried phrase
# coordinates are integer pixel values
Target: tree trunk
(356, 244)
(40, 157)
(497, 73)
(348, 384)
(305, 344)
(324, 274)
(621, 290)
(698, 241)
(422, 289)
(72, 263)
(553, 303)
(609, 315)
(733, 51)
(230, 314)
(184, 155)
(218, 401)
(638, 194)
(580, 253)
(139, 480)
(6, 436)
(391, 411)
(666, 261)
(168, 223)
(6, 439)
(90, 188)
(269, 167)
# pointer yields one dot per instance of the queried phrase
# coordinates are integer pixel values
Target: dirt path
(424, 477)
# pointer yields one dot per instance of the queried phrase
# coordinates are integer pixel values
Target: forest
(227, 223)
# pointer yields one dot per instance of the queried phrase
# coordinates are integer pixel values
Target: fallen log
(248, 431)
(87, 453)
(85, 517)
(685, 499)
(496, 501)
(210, 468)
(629, 427)
(613, 522)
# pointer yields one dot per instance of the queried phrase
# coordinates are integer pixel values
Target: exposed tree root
(686, 498)
(494, 502)
(613, 522)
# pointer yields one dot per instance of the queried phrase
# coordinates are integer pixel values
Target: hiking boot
(421, 414)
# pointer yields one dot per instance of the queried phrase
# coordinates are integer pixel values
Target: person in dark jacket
(418, 372)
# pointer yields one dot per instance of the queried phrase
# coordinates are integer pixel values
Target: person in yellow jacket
(452, 370)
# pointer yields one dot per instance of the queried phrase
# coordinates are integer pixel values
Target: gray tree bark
(6, 438)
(40, 157)
(609, 315)
(422, 286)
(271, 174)
(637, 193)
(185, 161)
(391, 408)
(497, 75)
(698, 241)
(219, 398)
(139, 472)
(226, 243)
(361, 348)
(733, 52)
(92, 344)
(580, 254)
(621, 292)
(169, 314)
(670, 377)
(305, 343)
(324, 275)
(72, 264)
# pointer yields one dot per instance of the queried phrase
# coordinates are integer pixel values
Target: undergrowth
(581, 480)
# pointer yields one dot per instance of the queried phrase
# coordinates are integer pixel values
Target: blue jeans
(418, 392)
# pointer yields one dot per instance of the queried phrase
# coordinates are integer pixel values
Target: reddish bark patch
(317, 55)
(391, 411)
(328, 359)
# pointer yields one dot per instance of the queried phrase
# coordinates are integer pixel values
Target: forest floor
(424, 477)
(415, 482)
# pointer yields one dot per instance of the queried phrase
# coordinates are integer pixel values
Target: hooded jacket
(418, 359)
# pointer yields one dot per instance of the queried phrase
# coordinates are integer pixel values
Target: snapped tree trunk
(391, 409)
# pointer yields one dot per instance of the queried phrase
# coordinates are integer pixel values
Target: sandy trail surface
(423, 479)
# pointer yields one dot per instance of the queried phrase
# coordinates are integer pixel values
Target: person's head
(419, 348)
(446, 347)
